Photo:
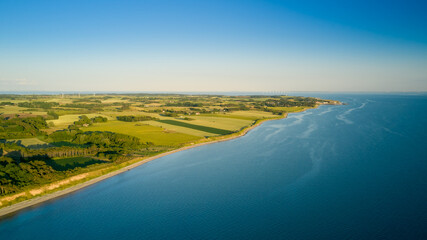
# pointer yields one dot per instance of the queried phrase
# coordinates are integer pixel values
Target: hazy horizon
(213, 46)
(84, 92)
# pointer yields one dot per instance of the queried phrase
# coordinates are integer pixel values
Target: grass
(197, 127)
(244, 115)
(180, 129)
(114, 100)
(62, 112)
(231, 124)
(131, 112)
(253, 114)
(28, 142)
(227, 115)
(145, 132)
(19, 110)
(288, 109)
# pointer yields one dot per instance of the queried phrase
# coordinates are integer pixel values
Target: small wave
(272, 134)
(316, 160)
(316, 156)
(393, 132)
(328, 110)
(311, 128)
(342, 116)
(280, 127)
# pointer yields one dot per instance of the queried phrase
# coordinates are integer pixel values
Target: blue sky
(219, 45)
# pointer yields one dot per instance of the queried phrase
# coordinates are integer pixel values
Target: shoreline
(9, 211)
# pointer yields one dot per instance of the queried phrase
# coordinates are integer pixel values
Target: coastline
(14, 208)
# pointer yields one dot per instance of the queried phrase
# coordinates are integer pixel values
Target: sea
(354, 171)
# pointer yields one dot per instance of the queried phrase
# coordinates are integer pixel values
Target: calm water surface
(337, 172)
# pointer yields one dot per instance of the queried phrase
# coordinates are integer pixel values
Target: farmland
(145, 132)
(65, 120)
(197, 127)
(47, 138)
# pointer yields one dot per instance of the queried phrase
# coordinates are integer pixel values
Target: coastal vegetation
(197, 127)
(134, 118)
(46, 138)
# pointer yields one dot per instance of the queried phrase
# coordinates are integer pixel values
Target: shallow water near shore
(357, 171)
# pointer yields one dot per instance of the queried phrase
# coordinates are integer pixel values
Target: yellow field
(113, 100)
(65, 120)
(18, 110)
(253, 114)
(113, 115)
(244, 115)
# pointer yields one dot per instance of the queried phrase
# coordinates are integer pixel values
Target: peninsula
(51, 145)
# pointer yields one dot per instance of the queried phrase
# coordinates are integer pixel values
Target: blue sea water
(357, 171)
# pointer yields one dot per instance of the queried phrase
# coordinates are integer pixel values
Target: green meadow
(145, 132)
(46, 138)
(29, 142)
(196, 127)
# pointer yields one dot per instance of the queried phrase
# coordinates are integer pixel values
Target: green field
(180, 129)
(145, 132)
(231, 124)
(197, 127)
(30, 142)
(289, 109)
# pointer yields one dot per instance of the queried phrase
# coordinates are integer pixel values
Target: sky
(218, 45)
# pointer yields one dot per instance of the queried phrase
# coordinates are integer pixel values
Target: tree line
(135, 118)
